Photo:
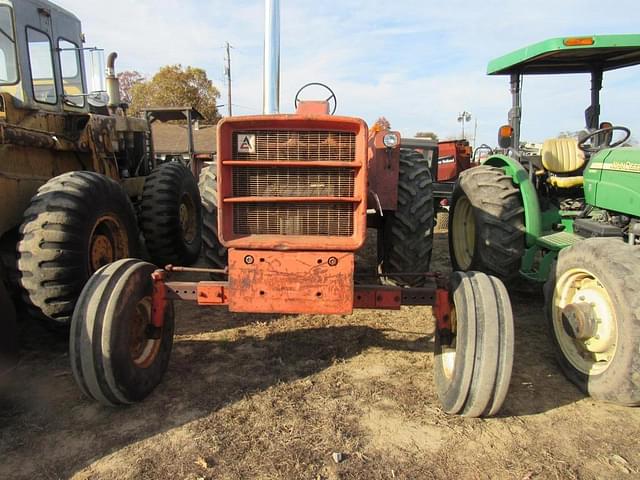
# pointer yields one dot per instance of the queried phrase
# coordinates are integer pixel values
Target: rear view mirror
(505, 136)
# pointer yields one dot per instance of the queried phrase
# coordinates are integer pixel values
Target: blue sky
(418, 63)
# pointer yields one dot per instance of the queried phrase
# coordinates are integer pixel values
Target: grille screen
(292, 182)
(288, 145)
(322, 219)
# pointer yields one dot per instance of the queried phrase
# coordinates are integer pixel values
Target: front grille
(320, 219)
(292, 182)
(291, 145)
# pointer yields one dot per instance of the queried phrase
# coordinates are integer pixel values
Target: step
(558, 240)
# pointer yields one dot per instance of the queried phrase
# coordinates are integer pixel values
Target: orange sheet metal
(290, 282)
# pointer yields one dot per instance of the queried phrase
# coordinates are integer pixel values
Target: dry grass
(255, 396)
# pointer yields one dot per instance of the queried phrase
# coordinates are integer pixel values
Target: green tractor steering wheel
(596, 148)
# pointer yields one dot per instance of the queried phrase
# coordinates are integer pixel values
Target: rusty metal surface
(384, 171)
(306, 189)
(212, 293)
(290, 282)
(300, 218)
(284, 145)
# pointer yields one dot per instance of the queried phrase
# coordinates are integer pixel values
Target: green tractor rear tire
(75, 224)
(486, 223)
(406, 239)
(592, 303)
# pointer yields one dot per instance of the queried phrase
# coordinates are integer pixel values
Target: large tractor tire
(407, 236)
(214, 252)
(592, 302)
(75, 224)
(473, 362)
(171, 215)
(117, 355)
(486, 223)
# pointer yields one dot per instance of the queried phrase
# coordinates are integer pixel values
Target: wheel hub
(143, 346)
(107, 243)
(463, 233)
(584, 321)
(187, 218)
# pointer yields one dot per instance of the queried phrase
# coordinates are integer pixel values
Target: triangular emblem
(247, 143)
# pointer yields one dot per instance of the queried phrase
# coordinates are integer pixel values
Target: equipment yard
(274, 396)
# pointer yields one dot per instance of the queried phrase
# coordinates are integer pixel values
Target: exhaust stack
(271, 78)
(113, 84)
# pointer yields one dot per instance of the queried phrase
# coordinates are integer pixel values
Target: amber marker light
(578, 41)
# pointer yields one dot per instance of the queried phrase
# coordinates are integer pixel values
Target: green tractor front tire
(592, 304)
(486, 223)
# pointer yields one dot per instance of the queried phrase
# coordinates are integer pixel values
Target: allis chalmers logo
(246, 143)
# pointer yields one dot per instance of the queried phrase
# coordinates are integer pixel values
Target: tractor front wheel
(171, 216)
(593, 310)
(486, 223)
(117, 355)
(473, 361)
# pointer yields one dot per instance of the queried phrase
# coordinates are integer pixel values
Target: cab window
(71, 73)
(41, 62)
(8, 63)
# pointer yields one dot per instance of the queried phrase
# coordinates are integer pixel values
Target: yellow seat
(562, 155)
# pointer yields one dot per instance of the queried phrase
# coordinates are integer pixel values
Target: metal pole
(228, 72)
(271, 79)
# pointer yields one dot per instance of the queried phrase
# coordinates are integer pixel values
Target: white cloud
(417, 62)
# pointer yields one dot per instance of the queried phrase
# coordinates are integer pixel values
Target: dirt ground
(249, 396)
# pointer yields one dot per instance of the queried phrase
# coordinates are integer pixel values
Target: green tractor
(568, 217)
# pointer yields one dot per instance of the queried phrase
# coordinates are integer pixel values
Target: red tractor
(292, 194)
(285, 209)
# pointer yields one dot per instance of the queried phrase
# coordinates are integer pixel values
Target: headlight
(390, 140)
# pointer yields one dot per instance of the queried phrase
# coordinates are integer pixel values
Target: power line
(227, 71)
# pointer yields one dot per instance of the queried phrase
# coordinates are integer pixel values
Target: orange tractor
(290, 200)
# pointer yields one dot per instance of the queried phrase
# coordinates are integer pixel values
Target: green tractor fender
(532, 212)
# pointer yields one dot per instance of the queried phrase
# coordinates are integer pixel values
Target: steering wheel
(297, 100)
(597, 148)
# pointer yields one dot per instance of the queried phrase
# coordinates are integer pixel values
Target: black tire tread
(617, 265)
(159, 214)
(214, 252)
(52, 249)
(499, 218)
(408, 240)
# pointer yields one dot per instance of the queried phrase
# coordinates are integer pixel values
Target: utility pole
(464, 117)
(227, 72)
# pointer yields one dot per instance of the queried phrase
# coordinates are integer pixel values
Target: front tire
(473, 363)
(117, 356)
(76, 223)
(486, 223)
(171, 215)
(592, 304)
